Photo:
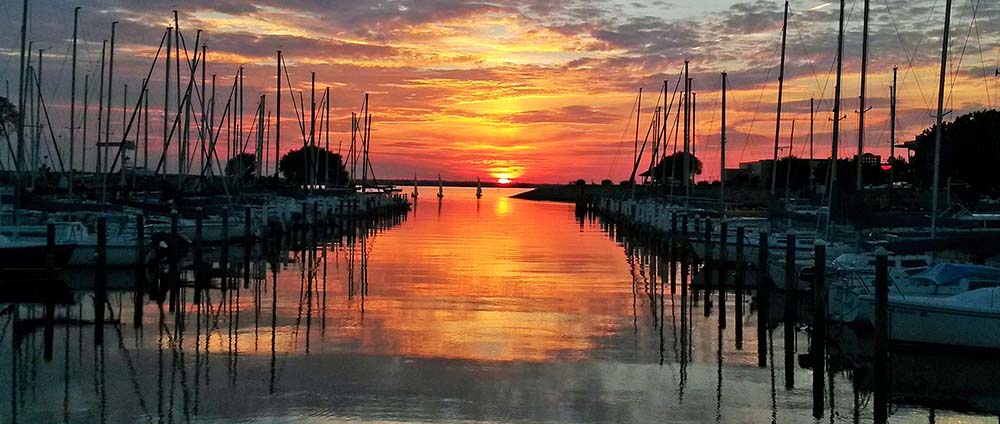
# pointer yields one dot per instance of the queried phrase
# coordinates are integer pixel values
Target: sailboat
(440, 187)
(479, 189)
(415, 193)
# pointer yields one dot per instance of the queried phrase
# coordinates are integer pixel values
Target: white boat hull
(933, 322)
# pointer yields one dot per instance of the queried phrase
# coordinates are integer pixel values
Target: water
(466, 311)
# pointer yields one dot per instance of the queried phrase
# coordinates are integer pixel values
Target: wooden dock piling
(173, 269)
(722, 275)
(881, 362)
(791, 309)
(740, 283)
(140, 269)
(707, 305)
(763, 300)
(818, 335)
(100, 280)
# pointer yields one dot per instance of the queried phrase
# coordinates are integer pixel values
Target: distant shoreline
(427, 183)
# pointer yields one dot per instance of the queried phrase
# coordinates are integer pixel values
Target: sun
(503, 180)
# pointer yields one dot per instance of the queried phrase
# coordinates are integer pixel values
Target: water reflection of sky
(468, 311)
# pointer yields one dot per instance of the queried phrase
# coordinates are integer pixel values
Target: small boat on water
(966, 320)
(30, 254)
(479, 189)
(440, 187)
(120, 247)
(851, 298)
(416, 193)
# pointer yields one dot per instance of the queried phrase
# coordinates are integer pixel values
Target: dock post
(199, 234)
(247, 227)
(707, 269)
(881, 363)
(305, 222)
(673, 252)
(763, 300)
(818, 342)
(174, 268)
(791, 309)
(101, 280)
(684, 227)
(224, 250)
(140, 269)
(315, 223)
(720, 284)
(50, 308)
(740, 280)
(50, 250)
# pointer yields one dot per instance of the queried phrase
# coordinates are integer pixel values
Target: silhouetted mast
(861, 102)
(940, 117)
(836, 108)
(781, 86)
(277, 120)
(166, 100)
(72, 103)
(722, 151)
(20, 108)
(687, 133)
(812, 120)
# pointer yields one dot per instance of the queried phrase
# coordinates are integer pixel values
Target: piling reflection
(494, 310)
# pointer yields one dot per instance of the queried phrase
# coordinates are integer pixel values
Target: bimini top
(953, 273)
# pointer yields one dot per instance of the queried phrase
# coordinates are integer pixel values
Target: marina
(342, 327)
(817, 242)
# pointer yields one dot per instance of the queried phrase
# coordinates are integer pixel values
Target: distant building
(872, 160)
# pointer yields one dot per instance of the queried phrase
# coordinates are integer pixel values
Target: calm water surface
(465, 311)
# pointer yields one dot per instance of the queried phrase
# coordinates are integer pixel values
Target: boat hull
(33, 257)
(928, 322)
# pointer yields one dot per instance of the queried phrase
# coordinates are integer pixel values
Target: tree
(970, 151)
(672, 167)
(8, 113)
(293, 166)
(242, 165)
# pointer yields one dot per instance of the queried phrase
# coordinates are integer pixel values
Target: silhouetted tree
(242, 165)
(970, 151)
(293, 166)
(672, 167)
(8, 113)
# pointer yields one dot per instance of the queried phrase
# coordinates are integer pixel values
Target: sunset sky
(532, 90)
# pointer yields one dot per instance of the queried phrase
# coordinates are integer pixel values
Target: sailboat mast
(326, 155)
(311, 152)
(940, 118)
(835, 145)
(20, 107)
(892, 129)
(277, 120)
(687, 132)
(83, 136)
(781, 87)
(694, 121)
(145, 126)
(72, 102)
(788, 163)
(166, 99)
(861, 102)
(100, 109)
(203, 131)
(638, 112)
(37, 124)
(107, 123)
(722, 152)
(812, 121)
